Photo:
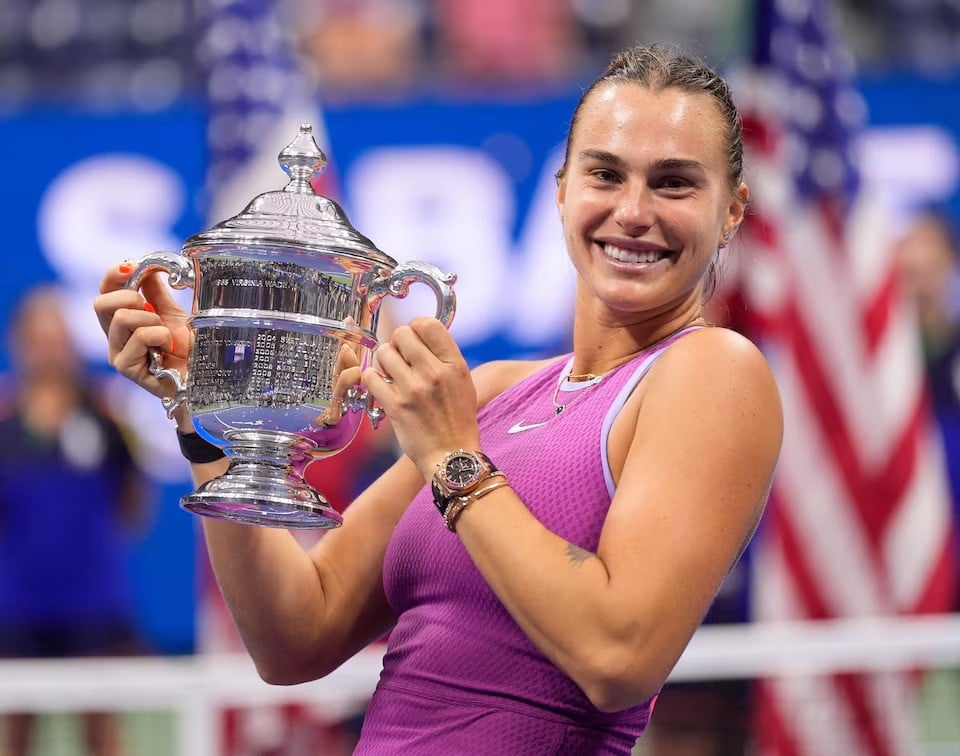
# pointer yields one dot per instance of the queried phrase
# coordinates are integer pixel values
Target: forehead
(928, 241)
(634, 121)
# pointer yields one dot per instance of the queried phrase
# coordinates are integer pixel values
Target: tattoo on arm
(576, 555)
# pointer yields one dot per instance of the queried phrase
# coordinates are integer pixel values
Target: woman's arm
(300, 613)
(695, 474)
(303, 613)
(695, 450)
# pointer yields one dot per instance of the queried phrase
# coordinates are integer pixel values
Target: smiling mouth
(632, 256)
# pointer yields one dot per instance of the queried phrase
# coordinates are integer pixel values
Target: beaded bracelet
(198, 450)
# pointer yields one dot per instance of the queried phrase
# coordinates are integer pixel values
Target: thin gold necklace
(583, 377)
(558, 408)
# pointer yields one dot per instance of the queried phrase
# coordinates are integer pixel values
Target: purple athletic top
(460, 676)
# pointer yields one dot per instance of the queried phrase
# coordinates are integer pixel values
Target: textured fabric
(459, 675)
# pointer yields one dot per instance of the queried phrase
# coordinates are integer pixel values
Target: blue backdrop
(466, 184)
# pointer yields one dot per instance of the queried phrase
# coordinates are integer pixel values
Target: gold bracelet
(460, 503)
(453, 511)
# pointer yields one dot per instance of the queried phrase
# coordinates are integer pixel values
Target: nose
(635, 211)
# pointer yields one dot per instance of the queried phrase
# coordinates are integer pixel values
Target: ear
(561, 194)
(737, 209)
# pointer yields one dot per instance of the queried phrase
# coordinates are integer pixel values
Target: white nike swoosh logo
(517, 428)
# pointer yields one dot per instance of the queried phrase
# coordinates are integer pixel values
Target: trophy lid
(296, 215)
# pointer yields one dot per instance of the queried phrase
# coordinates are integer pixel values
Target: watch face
(461, 470)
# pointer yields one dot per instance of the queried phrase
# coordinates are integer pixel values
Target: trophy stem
(262, 487)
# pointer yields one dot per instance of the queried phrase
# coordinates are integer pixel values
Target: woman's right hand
(137, 322)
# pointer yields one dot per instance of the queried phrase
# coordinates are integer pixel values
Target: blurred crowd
(142, 52)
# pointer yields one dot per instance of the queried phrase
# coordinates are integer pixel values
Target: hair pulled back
(658, 68)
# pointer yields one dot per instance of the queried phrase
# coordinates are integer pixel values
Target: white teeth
(647, 256)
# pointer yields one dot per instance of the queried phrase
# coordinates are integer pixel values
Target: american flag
(257, 96)
(859, 521)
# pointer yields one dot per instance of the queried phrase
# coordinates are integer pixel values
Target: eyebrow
(603, 156)
(672, 164)
(679, 164)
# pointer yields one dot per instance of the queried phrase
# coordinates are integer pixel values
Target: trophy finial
(302, 160)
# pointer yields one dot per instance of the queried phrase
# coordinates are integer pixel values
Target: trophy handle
(397, 284)
(359, 398)
(182, 275)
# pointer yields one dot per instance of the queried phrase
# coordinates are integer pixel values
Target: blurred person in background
(70, 498)
(362, 45)
(928, 260)
(503, 40)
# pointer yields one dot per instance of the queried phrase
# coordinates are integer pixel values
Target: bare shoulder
(716, 347)
(493, 378)
(723, 375)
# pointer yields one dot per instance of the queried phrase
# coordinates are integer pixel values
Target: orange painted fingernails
(149, 307)
(125, 267)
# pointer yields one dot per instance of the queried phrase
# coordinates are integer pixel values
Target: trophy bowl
(286, 299)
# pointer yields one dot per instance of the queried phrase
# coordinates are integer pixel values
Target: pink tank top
(459, 674)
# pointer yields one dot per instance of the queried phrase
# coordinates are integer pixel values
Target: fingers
(156, 291)
(347, 369)
(392, 363)
(132, 334)
(425, 341)
(423, 347)
(348, 356)
(108, 304)
(377, 383)
(116, 277)
(346, 380)
(153, 287)
(437, 338)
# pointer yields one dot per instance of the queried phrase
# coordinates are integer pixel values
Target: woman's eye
(674, 182)
(604, 174)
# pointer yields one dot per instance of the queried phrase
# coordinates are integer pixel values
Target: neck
(603, 343)
(46, 404)
(937, 336)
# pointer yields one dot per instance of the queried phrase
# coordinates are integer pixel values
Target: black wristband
(198, 450)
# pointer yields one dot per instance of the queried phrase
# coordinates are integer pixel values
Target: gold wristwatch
(459, 473)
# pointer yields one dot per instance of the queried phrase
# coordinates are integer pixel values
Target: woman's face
(645, 195)
(926, 265)
(42, 345)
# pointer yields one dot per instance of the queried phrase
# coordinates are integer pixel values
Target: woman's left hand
(424, 385)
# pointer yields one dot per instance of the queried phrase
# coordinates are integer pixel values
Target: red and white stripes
(859, 523)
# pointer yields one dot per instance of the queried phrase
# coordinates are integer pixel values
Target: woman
(576, 575)
(71, 501)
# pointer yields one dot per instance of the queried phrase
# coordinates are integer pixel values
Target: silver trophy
(286, 296)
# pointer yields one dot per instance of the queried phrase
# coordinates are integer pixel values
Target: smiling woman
(656, 156)
(597, 499)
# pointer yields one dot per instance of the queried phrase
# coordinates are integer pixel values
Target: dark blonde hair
(659, 68)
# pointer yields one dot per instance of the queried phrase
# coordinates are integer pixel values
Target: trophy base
(266, 495)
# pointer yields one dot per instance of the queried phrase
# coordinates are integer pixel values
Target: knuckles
(403, 333)
(426, 324)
